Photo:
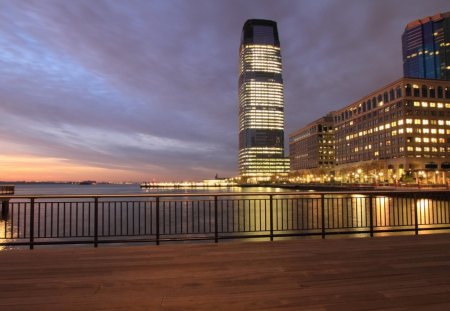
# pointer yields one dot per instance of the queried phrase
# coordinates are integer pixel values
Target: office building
(312, 147)
(261, 103)
(426, 48)
(401, 129)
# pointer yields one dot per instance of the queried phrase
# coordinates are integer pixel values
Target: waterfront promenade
(384, 273)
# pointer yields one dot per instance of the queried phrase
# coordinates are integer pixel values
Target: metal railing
(70, 219)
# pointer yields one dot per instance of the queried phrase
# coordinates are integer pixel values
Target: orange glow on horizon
(34, 168)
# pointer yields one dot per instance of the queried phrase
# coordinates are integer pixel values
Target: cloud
(151, 86)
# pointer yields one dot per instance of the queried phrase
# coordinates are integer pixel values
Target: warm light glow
(34, 168)
(261, 112)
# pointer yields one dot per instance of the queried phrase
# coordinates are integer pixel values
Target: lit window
(424, 104)
(433, 131)
(408, 121)
(441, 122)
(440, 105)
(416, 104)
(426, 130)
(418, 149)
(424, 122)
(418, 140)
(432, 105)
(417, 121)
(400, 122)
(441, 131)
(409, 130)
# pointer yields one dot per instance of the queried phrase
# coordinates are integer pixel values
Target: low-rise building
(400, 131)
(312, 147)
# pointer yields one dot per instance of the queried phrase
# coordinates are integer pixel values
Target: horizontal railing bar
(227, 194)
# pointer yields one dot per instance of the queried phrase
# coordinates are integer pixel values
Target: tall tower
(261, 103)
(426, 48)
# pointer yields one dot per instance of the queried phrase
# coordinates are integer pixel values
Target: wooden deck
(383, 273)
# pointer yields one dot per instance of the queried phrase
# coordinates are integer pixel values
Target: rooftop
(434, 18)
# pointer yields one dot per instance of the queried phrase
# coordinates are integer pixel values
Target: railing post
(322, 204)
(416, 214)
(5, 207)
(157, 220)
(216, 225)
(271, 217)
(32, 223)
(371, 215)
(95, 222)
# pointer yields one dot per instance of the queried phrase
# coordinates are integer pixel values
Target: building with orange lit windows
(261, 103)
(400, 130)
(312, 147)
(398, 133)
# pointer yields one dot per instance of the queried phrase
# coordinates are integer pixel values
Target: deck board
(387, 273)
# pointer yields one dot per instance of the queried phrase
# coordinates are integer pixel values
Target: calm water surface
(53, 189)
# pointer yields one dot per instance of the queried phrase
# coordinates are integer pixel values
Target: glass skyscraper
(261, 103)
(426, 48)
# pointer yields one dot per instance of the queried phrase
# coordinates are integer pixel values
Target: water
(76, 189)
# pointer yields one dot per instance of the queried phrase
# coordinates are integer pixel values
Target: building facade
(426, 48)
(312, 147)
(399, 130)
(261, 103)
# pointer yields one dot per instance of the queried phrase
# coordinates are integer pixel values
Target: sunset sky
(147, 90)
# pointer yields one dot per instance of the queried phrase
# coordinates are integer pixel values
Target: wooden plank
(392, 273)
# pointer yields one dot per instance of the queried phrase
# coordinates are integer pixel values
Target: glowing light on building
(261, 103)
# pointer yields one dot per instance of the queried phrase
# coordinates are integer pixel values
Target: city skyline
(147, 90)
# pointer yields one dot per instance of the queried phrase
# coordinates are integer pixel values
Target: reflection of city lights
(2, 229)
(423, 210)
